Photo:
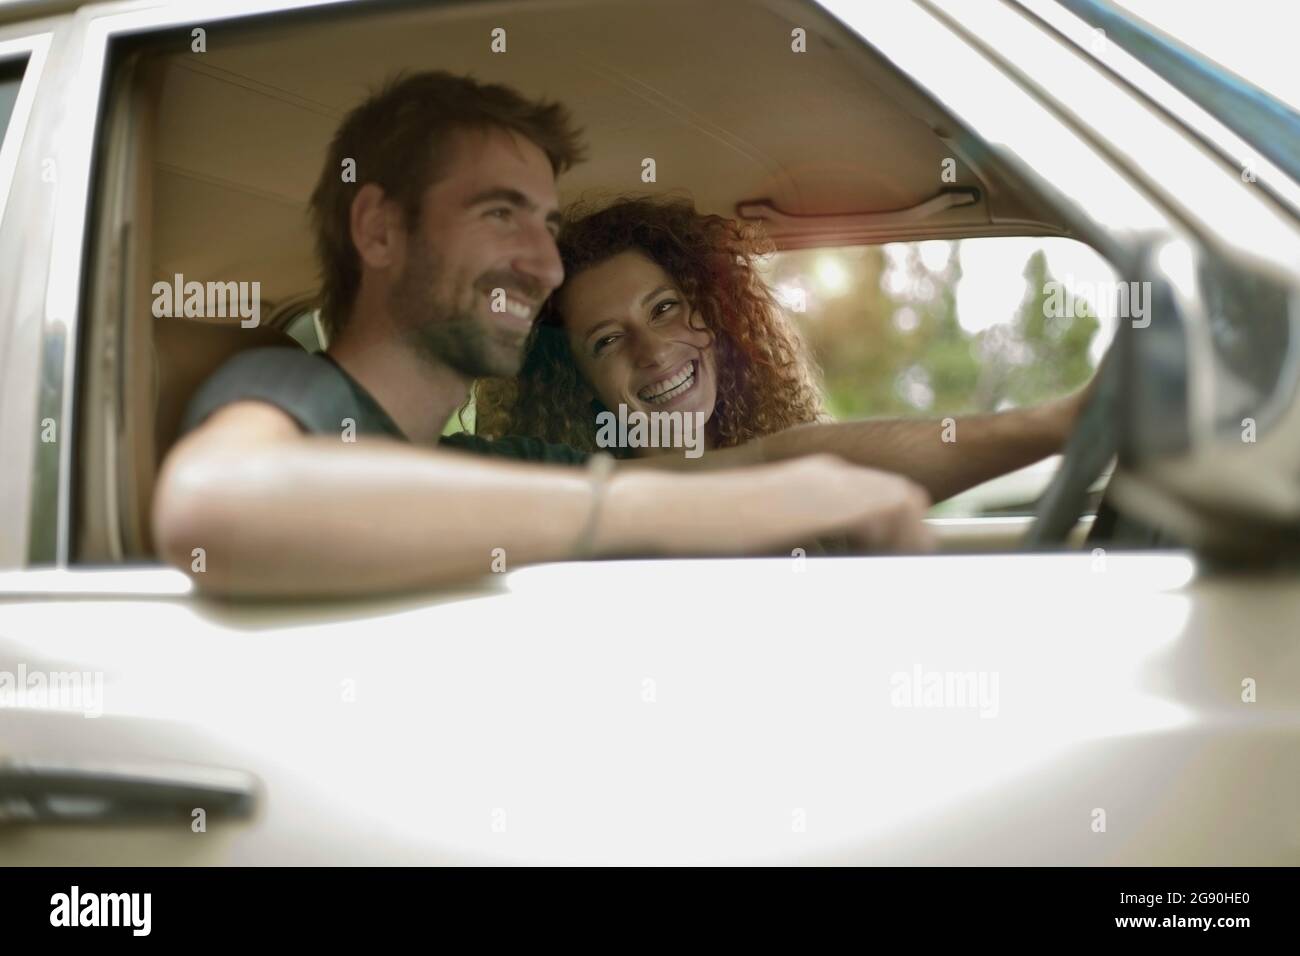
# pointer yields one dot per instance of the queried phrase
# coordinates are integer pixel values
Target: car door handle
(47, 791)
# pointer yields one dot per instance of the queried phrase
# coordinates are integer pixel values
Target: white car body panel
(702, 712)
(672, 711)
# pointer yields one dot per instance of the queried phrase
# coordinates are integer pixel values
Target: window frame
(85, 45)
(26, 47)
(28, 53)
(908, 41)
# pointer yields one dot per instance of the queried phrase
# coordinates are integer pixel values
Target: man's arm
(981, 446)
(276, 512)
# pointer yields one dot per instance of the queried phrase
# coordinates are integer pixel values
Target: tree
(888, 338)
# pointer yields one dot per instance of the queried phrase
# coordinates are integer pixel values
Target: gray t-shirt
(318, 394)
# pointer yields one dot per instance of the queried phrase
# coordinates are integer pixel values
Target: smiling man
(452, 218)
(435, 217)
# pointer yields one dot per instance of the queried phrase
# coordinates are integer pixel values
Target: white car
(1030, 697)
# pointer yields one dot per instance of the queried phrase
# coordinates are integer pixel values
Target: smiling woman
(662, 310)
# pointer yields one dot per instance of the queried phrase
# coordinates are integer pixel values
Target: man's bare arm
(278, 513)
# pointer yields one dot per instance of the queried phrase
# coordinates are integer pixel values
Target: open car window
(12, 71)
(9, 83)
(940, 329)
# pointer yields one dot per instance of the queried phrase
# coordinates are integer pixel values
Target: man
(436, 257)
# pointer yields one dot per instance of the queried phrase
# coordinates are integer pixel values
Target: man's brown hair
(398, 140)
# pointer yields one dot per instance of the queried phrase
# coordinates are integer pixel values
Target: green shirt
(318, 394)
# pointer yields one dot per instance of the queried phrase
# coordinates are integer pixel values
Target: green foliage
(906, 352)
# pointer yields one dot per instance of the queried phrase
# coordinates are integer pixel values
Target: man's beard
(454, 334)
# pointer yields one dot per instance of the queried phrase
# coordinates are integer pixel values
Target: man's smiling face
(488, 223)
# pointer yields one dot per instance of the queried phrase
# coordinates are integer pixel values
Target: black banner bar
(335, 905)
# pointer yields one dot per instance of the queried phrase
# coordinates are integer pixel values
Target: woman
(661, 311)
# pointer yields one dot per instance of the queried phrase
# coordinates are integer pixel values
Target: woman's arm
(944, 456)
(944, 459)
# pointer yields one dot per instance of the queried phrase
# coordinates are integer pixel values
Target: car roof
(713, 92)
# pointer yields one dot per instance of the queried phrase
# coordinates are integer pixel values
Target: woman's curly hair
(765, 376)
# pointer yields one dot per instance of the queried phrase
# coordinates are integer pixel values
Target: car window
(948, 328)
(11, 78)
(9, 83)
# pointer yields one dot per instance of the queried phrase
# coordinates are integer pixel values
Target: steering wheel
(1090, 447)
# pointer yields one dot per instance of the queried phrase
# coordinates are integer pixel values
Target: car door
(946, 709)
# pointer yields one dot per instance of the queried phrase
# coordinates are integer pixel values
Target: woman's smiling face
(635, 339)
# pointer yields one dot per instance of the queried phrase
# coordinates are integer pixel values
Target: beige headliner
(711, 91)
